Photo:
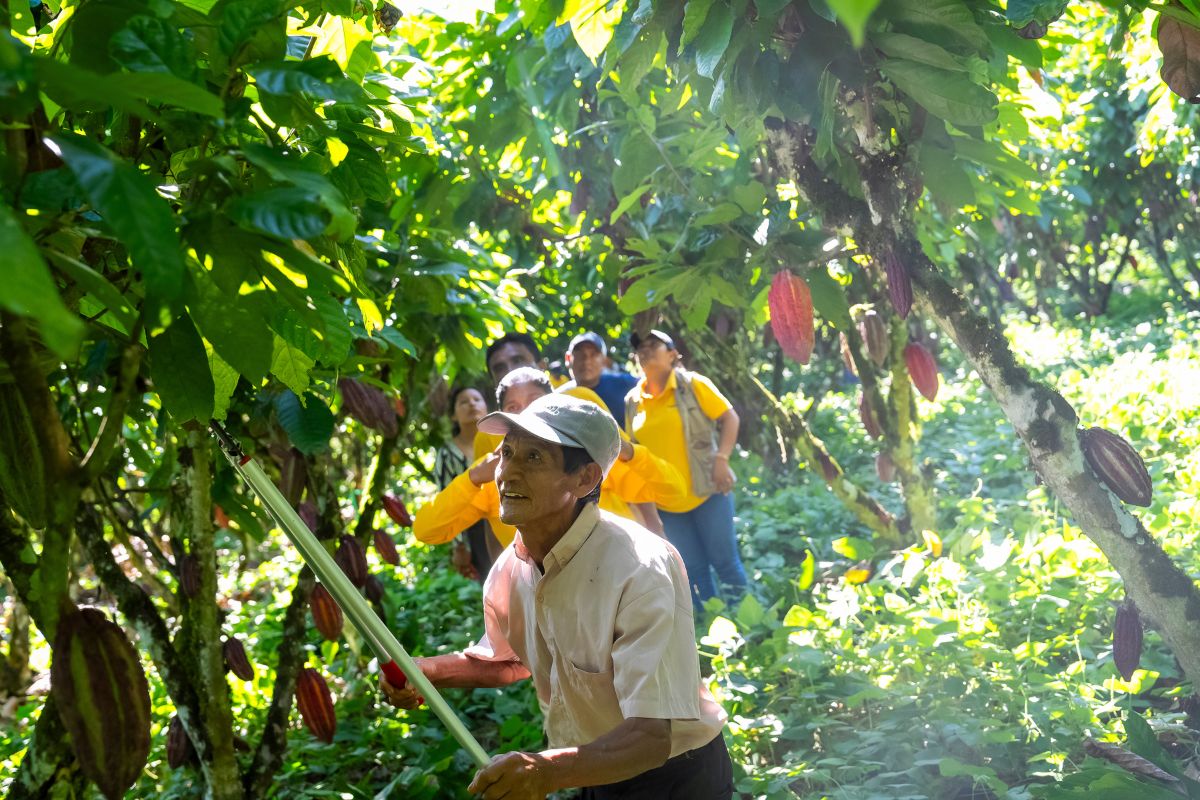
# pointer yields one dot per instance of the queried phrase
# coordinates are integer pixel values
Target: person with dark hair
(587, 357)
(685, 419)
(510, 351)
(477, 548)
(594, 609)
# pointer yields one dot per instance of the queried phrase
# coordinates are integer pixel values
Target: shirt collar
(644, 387)
(569, 544)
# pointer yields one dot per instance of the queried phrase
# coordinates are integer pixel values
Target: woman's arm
(722, 475)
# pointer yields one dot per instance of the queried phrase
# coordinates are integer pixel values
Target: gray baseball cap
(566, 421)
(590, 337)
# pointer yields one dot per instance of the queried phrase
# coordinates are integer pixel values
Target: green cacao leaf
(309, 425)
(828, 298)
(288, 212)
(238, 333)
(291, 366)
(949, 95)
(179, 368)
(932, 19)
(713, 38)
(901, 45)
(137, 215)
(1022, 12)
(29, 290)
(854, 15)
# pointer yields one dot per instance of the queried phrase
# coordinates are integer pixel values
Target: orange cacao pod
(922, 369)
(1127, 639)
(236, 660)
(1117, 464)
(326, 613)
(386, 547)
(353, 561)
(316, 704)
(791, 306)
(395, 509)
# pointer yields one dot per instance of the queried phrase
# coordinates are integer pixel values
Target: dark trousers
(705, 773)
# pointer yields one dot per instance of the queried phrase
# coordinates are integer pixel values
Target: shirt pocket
(587, 705)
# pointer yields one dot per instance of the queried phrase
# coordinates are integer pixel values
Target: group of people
(598, 512)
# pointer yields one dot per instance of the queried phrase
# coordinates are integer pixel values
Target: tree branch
(110, 427)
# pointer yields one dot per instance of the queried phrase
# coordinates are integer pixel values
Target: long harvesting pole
(394, 661)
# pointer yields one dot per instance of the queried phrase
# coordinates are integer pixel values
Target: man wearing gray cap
(597, 611)
(587, 358)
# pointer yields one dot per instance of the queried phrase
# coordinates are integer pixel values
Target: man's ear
(588, 479)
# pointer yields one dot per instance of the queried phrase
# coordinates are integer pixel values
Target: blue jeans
(706, 539)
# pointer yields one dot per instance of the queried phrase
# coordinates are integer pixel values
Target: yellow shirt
(658, 425)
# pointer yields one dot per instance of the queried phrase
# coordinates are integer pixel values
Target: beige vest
(699, 432)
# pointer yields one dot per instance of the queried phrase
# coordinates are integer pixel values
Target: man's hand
(402, 698)
(460, 558)
(626, 451)
(484, 471)
(722, 476)
(513, 776)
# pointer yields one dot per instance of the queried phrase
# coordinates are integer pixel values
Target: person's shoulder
(566, 387)
(625, 539)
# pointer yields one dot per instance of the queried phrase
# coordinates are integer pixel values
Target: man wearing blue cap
(587, 358)
(597, 612)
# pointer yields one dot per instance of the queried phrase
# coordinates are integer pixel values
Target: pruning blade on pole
(394, 661)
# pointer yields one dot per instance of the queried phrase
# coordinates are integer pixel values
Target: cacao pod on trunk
(293, 475)
(308, 512)
(899, 284)
(22, 467)
(847, 358)
(885, 467)
(385, 546)
(395, 509)
(1118, 465)
(369, 405)
(922, 369)
(1127, 639)
(791, 306)
(180, 750)
(353, 561)
(828, 469)
(316, 704)
(374, 589)
(869, 420)
(326, 613)
(220, 518)
(236, 660)
(103, 699)
(873, 331)
(189, 575)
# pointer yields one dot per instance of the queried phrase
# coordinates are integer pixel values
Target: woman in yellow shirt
(684, 419)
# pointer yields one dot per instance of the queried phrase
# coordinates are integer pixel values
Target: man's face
(533, 486)
(508, 357)
(586, 363)
(520, 395)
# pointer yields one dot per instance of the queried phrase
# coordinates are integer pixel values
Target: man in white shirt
(597, 611)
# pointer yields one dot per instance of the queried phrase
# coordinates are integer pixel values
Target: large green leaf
(694, 14)
(28, 288)
(829, 298)
(309, 425)
(239, 334)
(291, 365)
(901, 45)
(141, 219)
(949, 95)
(947, 20)
(1022, 12)
(288, 212)
(854, 15)
(180, 371)
(225, 380)
(945, 178)
(713, 38)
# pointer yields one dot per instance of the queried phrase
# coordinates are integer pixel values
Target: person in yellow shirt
(638, 476)
(683, 418)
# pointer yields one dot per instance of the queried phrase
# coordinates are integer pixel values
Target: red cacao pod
(236, 660)
(103, 699)
(189, 575)
(385, 546)
(395, 509)
(899, 284)
(316, 704)
(326, 613)
(922, 369)
(374, 589)
(293, 475)
(885, 468)
(791, 306)
(308, 512)
(873, 331)
(1118, 465)
(353, 561)
(869, 420)
(180, 750)
(1127, 639)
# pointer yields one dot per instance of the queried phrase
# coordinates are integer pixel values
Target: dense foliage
(306, 220)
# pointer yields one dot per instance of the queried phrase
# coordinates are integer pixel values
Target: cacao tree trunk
(902, 438)
(16, 660)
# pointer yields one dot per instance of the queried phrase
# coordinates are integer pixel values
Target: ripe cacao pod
(293, 475)
(180, 750)
(869, 420)
(374, 589)
(103, 699)
(899, 284)
(369, 405)
(395, 509)
(401, 407)
(189, 575)
(353, 561)
(236, 660)
(385, 546)
(1127, 639)
(885, 467)
(791, 306)
(316, 704)
(220, 518)
(922, 369)
(22, 467)
(873, 331)
(326, 613)
(308, 512)
(1117, 464)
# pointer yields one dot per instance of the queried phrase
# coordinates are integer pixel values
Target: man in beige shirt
(597, 611)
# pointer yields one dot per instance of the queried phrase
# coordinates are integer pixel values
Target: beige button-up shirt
(606, 632)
